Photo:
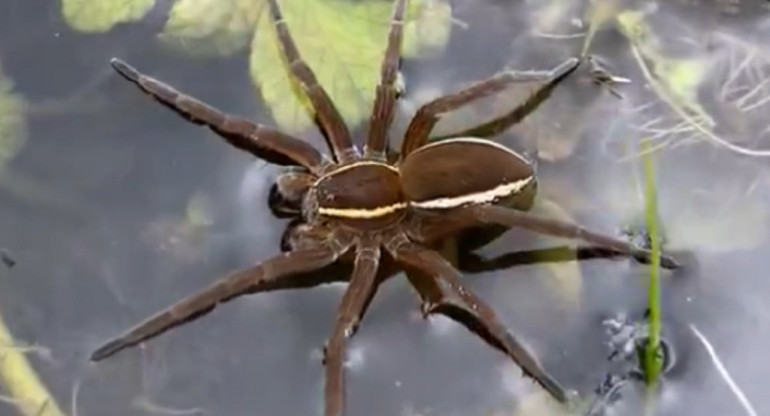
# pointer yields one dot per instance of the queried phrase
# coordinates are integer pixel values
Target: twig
(723, 372)
(681, 113)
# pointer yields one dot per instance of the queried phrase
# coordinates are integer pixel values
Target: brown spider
(357, 205)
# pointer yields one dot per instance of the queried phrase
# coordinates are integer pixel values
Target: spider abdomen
(465, 171)
(364, 193)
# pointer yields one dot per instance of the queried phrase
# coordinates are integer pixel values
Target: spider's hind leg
(355, 301)
(442, 292)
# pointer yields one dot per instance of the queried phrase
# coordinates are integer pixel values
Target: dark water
(92, 210)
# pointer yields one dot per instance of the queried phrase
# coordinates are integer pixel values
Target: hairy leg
(442, 292)
(262, 142)
(277, 272)
(386, 94)
(359, 293)
(535, 86)
(439, 226)
(329, 117)
(470, 262)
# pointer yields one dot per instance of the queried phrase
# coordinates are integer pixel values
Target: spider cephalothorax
(353, 204)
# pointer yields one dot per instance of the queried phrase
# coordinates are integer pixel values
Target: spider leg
(442, 292)
(359, 293)
(329, 117)
(262, 142)
(278, 272)
(471, 262)
(479, 215)
(536, 87)
(386, 94)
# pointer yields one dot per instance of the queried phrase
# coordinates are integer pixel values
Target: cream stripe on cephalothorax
(361, 213)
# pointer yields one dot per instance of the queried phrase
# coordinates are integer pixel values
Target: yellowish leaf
(211, 27)
(13, 126)
(102, 15)
(343, 42)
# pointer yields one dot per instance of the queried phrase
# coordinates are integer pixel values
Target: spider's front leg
(386, 92)
(441, 290)
(536, 87)
(283, 271)
(264, 143)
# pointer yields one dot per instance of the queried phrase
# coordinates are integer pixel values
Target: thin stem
(652, 362)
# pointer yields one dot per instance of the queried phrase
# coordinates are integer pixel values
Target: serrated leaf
(211, 27)
(103, 15)
(343, 42)
(13, 125)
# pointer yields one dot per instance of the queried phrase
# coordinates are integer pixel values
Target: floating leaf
(13, 126)
(102, 15)
(343, 42)
(211, 27)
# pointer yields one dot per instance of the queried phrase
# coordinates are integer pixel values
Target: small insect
(356, 205)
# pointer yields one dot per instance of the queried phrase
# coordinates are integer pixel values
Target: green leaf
(343, 42)
(211, 27)
(103, 15)
(13, 125)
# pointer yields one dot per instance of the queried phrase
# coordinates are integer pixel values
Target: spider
(367, 207)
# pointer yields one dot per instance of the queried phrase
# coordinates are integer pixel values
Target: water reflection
(99, 224)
